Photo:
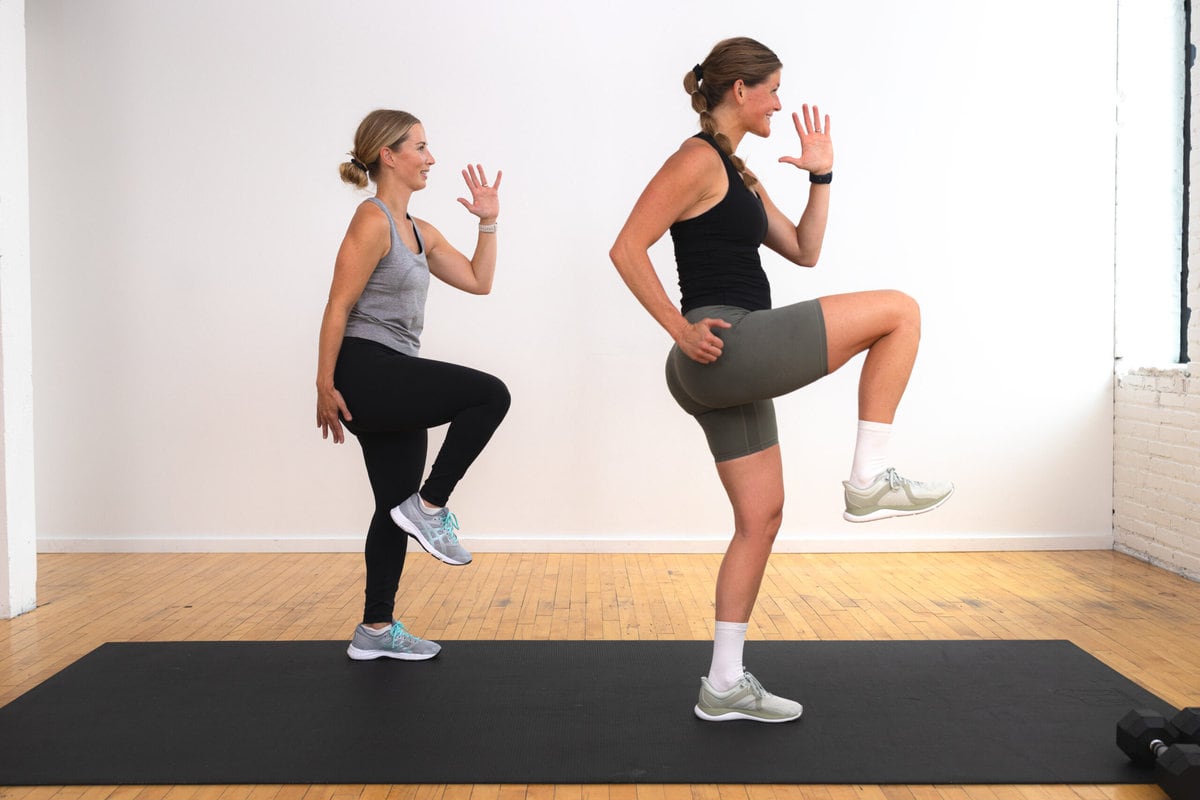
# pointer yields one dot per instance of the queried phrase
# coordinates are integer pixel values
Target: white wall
(186, 210)
(18, 539)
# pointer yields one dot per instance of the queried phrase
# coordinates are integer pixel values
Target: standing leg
(395, 463)
(754, 484)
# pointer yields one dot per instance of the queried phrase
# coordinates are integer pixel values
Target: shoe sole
(732, 714)
(370, 655)
(887, 513)
(412, 530)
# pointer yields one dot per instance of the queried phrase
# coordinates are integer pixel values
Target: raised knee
(906, 308)
(500, 396)
(904, 303)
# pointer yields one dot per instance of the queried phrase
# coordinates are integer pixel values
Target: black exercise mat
(910, 712)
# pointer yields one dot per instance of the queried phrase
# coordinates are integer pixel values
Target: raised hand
(816, 147)
(485, 200)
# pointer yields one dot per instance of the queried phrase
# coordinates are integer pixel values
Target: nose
(429, 159)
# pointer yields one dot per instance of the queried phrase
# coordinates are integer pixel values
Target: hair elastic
(698, 71)
(354, 160)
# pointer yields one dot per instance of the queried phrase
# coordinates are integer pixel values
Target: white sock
(727, 669)
(870, 452)
(428, 509)
(376, 631)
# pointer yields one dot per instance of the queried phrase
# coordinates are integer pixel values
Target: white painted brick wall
(1156, 421)
(1156, 462)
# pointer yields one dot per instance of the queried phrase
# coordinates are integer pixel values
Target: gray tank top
(391, 308)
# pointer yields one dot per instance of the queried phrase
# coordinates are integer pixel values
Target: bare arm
(689, 180)
(367, 240)
(474, 274)
(801, 243)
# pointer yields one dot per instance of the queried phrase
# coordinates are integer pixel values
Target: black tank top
(717, 252)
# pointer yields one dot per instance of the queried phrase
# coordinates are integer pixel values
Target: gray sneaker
(394, 642)
(747, 700)
(434, 532)
(893, 496)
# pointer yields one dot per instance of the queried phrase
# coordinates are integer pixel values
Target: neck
(726, 123)
(394, 197)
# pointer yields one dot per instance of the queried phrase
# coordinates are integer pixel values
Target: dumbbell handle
(1158, 746)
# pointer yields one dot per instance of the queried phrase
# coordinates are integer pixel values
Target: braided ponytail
(731, 60)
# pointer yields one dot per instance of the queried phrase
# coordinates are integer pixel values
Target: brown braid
(731, 60)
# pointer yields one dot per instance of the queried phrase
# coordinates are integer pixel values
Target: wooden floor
(1140, 620)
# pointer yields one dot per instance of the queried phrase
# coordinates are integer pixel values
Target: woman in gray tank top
(372, 380)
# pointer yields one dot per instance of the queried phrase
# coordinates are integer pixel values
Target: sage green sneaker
(893, 496)
(746, 700)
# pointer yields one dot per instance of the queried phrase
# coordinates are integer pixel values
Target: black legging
(394, 399)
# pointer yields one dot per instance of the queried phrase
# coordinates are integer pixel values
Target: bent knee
(905, 308)
(499, 396)
(904, 304)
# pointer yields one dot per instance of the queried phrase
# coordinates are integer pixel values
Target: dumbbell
(1187, 724)
(1172, 748)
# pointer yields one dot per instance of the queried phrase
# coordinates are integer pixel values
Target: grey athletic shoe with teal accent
(394, 642)
(893, 496)
(436, 533)
(746, 700)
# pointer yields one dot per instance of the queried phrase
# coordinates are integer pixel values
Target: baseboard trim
(869, 543)
(1169, 566)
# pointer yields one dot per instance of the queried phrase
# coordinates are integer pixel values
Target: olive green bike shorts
(766, 354)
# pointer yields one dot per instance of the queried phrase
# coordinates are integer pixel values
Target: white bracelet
(487, 228)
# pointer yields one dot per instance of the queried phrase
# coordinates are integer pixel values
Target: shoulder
(424, 227)
(695, 163)
(369, 236)
(369, 209)
(429, 234)
(695, 152)
(370, 220)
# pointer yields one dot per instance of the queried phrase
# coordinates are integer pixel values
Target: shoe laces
(894, 478)
(755, 686)
(448, 527)
(401, 634)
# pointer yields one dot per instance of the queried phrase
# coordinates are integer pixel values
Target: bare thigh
(855, 321)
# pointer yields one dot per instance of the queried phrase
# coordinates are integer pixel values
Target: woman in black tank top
(733, 352)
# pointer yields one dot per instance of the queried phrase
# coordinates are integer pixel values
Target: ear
(739, 90)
